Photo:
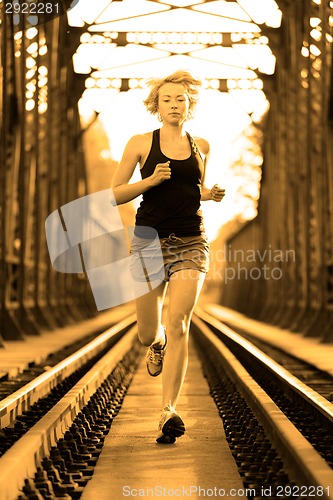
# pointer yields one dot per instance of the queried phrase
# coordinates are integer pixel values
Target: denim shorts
(160, 258)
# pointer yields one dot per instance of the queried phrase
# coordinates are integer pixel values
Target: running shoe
(154, 359)
(171, 426)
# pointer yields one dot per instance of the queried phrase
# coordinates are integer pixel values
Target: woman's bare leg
(184, 290)
(149, 316)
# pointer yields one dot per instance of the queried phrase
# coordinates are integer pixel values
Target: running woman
(172, 166)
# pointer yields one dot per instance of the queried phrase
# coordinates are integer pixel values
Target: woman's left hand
(217, 193)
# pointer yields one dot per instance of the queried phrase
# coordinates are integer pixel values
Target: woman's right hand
(161, 173)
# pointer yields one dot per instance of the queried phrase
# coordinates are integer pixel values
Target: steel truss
(296, 204)
(42, 168)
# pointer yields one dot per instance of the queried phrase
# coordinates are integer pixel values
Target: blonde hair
(190, 83)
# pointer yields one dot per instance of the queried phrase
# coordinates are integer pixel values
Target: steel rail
(14, 405)
(305, 465)
(318, 402)
(21, 460)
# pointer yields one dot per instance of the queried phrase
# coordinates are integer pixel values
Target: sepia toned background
(72, 92)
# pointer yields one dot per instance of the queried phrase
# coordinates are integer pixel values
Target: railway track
(38, 415)
(278, 428)
(296, 418)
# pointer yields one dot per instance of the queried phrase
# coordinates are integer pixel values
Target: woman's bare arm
(215, 193)
(203, 145)
(122, 190)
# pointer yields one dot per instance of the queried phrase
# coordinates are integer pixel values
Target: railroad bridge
(73, 79)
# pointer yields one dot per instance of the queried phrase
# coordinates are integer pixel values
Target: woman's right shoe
(170, 427)
(155, 358)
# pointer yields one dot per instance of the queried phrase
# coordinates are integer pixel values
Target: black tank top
(174, 205)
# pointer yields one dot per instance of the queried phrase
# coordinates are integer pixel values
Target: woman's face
(173, 103)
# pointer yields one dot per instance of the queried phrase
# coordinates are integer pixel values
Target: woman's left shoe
(171, 426)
